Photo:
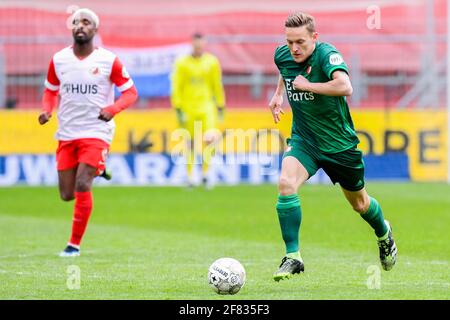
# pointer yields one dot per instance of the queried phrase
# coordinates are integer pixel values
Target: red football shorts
(90, 151)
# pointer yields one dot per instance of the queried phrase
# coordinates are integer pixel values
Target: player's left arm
(339, 85)
(120, 77)
(219, 92)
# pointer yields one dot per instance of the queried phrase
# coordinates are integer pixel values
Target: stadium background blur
(398, 71)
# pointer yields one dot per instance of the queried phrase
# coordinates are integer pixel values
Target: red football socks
(82, 212)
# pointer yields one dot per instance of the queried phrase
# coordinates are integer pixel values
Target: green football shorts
(346, 167)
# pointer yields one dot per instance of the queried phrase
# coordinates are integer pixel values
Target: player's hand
(105, 115)
(44, 117)
(301, 83)
(181, 117)
(221, 113)
(275, 107)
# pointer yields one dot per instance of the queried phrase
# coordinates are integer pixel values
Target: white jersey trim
(50, 86)
(127, 85)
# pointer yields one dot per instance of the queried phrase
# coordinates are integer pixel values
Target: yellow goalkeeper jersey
(197, 84)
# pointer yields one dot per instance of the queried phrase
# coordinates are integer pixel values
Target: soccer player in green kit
(316, 81)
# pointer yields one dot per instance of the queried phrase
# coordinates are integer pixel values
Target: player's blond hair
(300, 19)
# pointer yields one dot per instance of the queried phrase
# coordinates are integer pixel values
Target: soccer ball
(226, 276)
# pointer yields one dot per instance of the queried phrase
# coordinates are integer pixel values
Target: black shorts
(346, 167)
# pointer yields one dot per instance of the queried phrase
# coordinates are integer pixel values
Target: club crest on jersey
(95, 71)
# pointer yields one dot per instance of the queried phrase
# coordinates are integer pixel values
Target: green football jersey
(321, 121)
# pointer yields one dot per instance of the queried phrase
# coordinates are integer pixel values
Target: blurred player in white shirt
(84, 77)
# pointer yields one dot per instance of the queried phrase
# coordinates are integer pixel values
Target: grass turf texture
(157, 243)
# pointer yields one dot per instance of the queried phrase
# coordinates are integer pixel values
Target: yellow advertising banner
(422, 135)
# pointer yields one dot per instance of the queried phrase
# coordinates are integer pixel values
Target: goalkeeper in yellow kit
(198, 98)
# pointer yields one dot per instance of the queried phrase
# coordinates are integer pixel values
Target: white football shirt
(85, 87)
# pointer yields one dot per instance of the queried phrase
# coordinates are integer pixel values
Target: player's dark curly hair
(300, 19)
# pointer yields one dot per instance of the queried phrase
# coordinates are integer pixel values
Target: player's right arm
(50, 97)
(277, 101)
(177, 80)
(334, 66)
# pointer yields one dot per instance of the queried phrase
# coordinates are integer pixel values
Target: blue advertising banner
(159, 169)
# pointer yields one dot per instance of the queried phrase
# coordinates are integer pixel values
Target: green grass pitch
(157, 243)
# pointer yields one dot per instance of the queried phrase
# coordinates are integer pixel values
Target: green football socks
(290, 218)
(374, 216)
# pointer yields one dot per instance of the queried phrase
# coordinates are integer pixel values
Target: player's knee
(212, 136)
(361, 206)
(67, 196)
(208, 140)
(83, 185)
(286, 186)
